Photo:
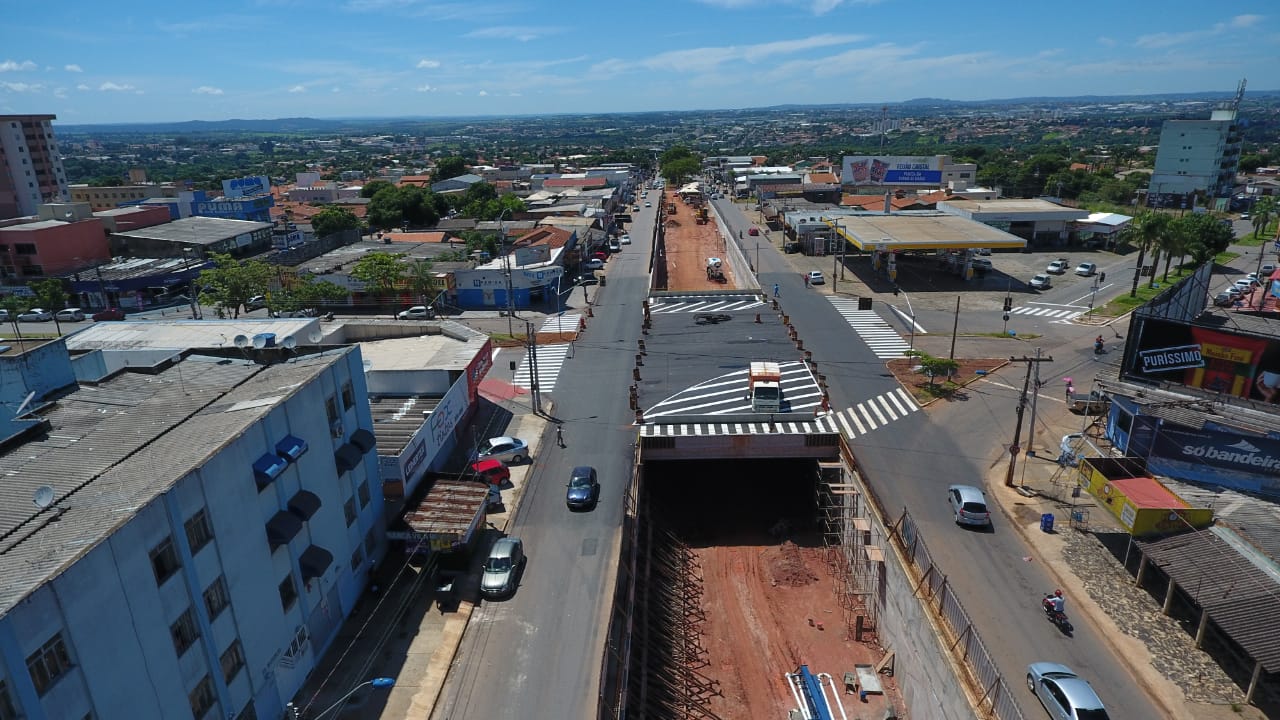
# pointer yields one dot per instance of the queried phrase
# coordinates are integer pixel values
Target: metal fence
(967, 646)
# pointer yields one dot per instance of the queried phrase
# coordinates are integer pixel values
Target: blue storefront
(256, 208)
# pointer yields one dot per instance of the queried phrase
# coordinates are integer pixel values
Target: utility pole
(531, 344)
(955, 328)
(1035, 394)
(1016, 448)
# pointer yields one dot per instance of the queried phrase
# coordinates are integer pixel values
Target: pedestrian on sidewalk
(560, 434)
(775, 290)
(806, 281)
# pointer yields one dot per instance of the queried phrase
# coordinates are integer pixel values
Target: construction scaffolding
(846, 538)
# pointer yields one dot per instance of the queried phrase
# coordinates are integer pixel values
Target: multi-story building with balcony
(30, 167)
(1196, 157)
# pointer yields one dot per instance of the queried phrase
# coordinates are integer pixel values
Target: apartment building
(30, 167)
(1196, 157)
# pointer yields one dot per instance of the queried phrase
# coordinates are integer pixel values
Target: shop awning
(304, 504)
(267, 468)
(364, 440)
(314, 561)
(282, 527)
(347, 457)
(291, 448)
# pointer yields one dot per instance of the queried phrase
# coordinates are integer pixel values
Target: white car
(1268, 269)
(1086, 269)
(417, 312)
(35, 315)
(815, 277)
(509, 449)
(70, 315)
(1057, 267)
(625, 239)
(1041, 282)
(593, 264)
(968, 505)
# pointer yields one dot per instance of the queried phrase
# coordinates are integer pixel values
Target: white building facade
(1196, 156)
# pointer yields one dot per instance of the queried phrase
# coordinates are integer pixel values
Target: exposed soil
(951, 389)
(769, 609)
(688, 245)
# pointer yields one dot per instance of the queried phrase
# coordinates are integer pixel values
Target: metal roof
(1239, 596)
(395, 420)
(182, 334)
(918, 230)
(196, 230)
(1255, 520)
(113, 448)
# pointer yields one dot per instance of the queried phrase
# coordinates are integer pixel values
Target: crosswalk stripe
(887, 409)
(867, 416)
(568, 322)
(550, 361)
(882, 339)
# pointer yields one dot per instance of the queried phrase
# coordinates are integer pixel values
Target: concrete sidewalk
(408, 630)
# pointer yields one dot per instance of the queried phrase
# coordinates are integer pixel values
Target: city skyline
(259, 59)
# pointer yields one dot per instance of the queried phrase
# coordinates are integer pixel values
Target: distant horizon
(101, 64)
(1208, 96)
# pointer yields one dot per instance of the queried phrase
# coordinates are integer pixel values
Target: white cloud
(114, 87)
(483, 93)
(60, 92)
(297, 89)
(82, 86)
(206, 90)
(335, 89)
(21, 87)
(708, 59)
(425, 88)
(427, 64)
(1106, 41)
(817, 7)
(514, 32)
(15, 66)
(73, 68)
(1244, 21)
(1155, 41)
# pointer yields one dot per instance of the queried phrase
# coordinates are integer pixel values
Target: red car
(109, 314)
(491, 471)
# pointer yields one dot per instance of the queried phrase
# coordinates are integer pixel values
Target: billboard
(1237, 461)
(246, 186)
(892, 170)
(1215, 360)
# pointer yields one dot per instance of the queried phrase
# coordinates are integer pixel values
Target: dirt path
(688, 245)
(771, 608)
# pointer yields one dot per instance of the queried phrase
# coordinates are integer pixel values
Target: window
(232, 661)
(164, 560)
(356, 559)
(331, 407)
(24, 248)
(370, 542)
(216, 597)
(7, 711)
(184, 631)
(348, 395)
(202, 698)
(288, 592)
(48, 664)
(349, 509)
(364, 494)
(198, 531)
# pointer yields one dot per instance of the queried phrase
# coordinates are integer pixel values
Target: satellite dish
(289, 343)
(259, 341)
(315, 336)
(241, 341)
(24, 404)
(43, 497)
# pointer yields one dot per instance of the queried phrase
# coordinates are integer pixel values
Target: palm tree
(1144, 232)
(1263, 209)
(1174, 242)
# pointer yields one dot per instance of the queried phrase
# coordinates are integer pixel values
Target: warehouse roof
(196, 230)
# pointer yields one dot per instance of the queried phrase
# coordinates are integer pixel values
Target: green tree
(1206, 236)
(422, 279)
(380, 272)
(333, 220)
(307, 293)
(52, 296)
(13, 307)
(675, 152)
(1144, 232)
(372, 187)
(1263, 210)
(394, 206)
(676, 171)
(449, 167)
(230, 283)
(934, 367)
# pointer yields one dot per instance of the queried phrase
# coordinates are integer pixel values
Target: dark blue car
(584, 489)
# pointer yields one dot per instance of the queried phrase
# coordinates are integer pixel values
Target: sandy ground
(771, 608)
(688, 245)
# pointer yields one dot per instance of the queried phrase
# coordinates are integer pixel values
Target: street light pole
(381, 682)
(506, 259)
(912, 344)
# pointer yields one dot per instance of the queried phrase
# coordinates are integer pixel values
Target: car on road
(968, 505)
(583, 489)
(625, 239)
(635, 208)
(108, 314)
(70, 315)
(501, 567)
(593, 264)
(1065, 695)
(1244, 216)
(754, 231)
(648, 204)
(815, 277)
(35, 315)
(1086, 269)
(510, 449)
(417, 312)
(1040, 282)
(615, 245)
(1267, 270)
(257, 302)
(1058, 267)
(1225, 299)
(1244, 284)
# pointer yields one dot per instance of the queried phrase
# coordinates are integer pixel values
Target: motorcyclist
(1055, 603)
(1097, 344)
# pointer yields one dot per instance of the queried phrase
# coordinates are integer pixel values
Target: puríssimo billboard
(1215, 360)
(892, 170)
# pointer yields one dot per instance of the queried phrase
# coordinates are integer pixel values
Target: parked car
(70, 315)
(615, 245)
(625, 239)
(1268, 269)
(583, 489)
(108, 314)
(417, 312)
(1086, 269)
(593, 264)
(1244, 216)
(1245, 285)
(1225, 299)
(304, 312)
(1065, 695)
(510, 449)
(4, 315)
(983, 251)
(1041, 282)
(969, 505)
(754, 231)
(501, 567)
(491, 471)
(635, 208)
(816, 278)
(981, 264)
(257, 302)
(1058, 267)
(35, 315)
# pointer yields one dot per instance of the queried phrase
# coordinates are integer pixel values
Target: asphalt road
(538, 654)
(911, 464)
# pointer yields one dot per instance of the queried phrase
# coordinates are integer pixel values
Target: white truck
(715, 269)
(764, 384)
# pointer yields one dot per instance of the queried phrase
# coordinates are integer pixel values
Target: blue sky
(90, 61)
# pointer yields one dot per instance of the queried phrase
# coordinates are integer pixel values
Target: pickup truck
(1094, 402)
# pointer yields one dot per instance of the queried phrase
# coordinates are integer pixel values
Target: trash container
(1046, 522)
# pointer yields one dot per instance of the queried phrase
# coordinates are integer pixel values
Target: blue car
(584, 489)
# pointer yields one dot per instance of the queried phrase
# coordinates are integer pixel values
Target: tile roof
(593, 181)
(432, 236)
(548, 235)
